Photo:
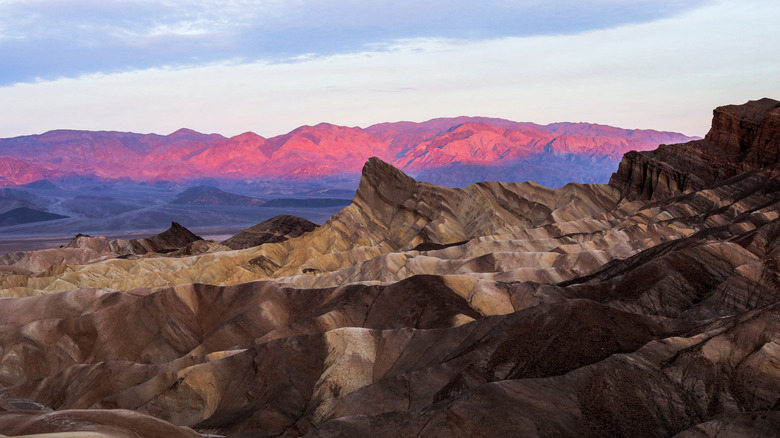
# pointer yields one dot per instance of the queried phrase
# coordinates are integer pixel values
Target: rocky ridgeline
(460, 150)
(647, 307)
(742, 138)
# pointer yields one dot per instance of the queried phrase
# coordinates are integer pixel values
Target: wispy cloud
(667, 74)
(47, 39)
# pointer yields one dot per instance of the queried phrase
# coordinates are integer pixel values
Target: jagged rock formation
(498, 309)
(276, 229)
(87, 250)
(742, 138)
(172, 239)
(390, 215)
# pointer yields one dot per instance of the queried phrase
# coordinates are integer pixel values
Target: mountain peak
(248, 136)
(382, 179)
(474, 126)
(183, 132)
(209, 195)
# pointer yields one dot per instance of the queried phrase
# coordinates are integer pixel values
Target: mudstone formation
(649, 306)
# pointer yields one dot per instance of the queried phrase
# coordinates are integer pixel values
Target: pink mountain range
(313, 152)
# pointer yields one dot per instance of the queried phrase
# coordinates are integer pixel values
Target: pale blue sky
(272, 65)
(48, 39)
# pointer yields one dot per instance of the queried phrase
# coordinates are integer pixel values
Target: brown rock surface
(276, 229)
(742, 138)
(89, 424)
(86, 250)
(172, 239)
(494, 310)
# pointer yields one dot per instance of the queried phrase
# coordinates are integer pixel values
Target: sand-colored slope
(517, 232)
(634, 317)
(390, 212)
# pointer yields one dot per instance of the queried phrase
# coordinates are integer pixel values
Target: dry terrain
(646, 307)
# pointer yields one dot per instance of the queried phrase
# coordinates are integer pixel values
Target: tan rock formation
(276, 229)
(86, 250)
(494, 310)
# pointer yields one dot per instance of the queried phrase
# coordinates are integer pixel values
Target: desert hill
(648, 306)
(276, 229)
(15, 198)
(207, 195)
(25, 215)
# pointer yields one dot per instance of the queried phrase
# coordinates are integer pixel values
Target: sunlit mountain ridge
(465, 149)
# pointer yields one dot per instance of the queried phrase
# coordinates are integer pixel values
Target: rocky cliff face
(497, 309)
(742, 138)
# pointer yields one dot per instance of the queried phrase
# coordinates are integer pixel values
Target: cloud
(48, 39)
(668, 74)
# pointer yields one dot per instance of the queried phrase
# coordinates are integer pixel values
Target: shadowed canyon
(645, 307)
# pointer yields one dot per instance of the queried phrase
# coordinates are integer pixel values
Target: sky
(269, 66)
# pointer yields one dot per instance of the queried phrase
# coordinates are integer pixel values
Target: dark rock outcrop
(11, 199)
(174, 238)
(177, 241)
(742, 138)
(24, 215)
(276, 229)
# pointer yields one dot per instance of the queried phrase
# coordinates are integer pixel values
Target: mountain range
(648, 306)
(456, 151)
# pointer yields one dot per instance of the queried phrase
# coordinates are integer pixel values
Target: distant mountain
(547, 170)
(41, 184)
(24, 215)
(13, 198)
(324, 151)
(19, 171)
(207, 195)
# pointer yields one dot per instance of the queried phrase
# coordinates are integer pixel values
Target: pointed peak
(177, 234)
(375, 167)
(183, 131)
(249, 135)
(383, 179)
